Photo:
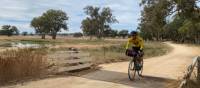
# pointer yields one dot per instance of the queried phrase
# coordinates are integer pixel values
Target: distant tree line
(108, 33)
(176, 20)
(96, 24)
(9, 30)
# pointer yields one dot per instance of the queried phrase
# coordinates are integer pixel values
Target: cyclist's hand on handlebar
(127, 52)
(141, 52)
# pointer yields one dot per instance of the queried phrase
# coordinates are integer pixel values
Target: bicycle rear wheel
(131, 70)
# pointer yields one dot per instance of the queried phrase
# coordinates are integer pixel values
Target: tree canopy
(123, 33)
(50, 22)
(98, 21)
(9, 30)
(170, 19)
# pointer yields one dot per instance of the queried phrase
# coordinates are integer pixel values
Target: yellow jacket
(138, 42)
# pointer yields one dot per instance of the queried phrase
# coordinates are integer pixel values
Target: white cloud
(20, 12)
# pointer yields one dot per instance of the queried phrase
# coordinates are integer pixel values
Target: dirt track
(158, 71)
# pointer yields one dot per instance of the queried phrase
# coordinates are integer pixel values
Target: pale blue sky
(21, 12)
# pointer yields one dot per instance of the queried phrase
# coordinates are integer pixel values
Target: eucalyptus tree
(98, 20)
(51, 22)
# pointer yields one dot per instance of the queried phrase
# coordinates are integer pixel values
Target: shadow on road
(122, 78)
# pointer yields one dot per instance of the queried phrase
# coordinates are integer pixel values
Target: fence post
(198, 68)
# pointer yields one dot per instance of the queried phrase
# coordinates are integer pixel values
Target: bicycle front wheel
(131, 70)
(141, 70)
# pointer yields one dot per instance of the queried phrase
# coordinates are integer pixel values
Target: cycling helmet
(134, 33)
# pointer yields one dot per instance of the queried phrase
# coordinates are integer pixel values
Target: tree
(154, 18)
(39, 23)
(6, 30)
(87, 28)
(31, 34)
(123, 33)
(171, 29)
(113, 33)
(24, 33)
(9, 30)
(15, 30)
(110, 33)
(6, 27)
(78, 34)
(51, 22)
(97, 21)
(56, 20)
(183, 25)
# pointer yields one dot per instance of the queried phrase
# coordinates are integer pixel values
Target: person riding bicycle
(136, 44)
(136, 51)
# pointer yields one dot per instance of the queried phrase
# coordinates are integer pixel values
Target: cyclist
(136, 44)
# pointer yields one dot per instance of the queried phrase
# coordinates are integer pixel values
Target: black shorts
(136, 49)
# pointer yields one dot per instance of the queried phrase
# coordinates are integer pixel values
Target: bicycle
(134, 66)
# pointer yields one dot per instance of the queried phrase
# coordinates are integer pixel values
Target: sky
(20, 12)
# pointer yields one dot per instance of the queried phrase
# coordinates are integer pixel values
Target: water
(24, 45)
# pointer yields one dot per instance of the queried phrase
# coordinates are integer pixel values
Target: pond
(25, 45)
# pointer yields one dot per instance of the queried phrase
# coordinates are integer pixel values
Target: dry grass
(194, 84)
(190, 84)
(152, 49)
(21, 64)
(116, 53)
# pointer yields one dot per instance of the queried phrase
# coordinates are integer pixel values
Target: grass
(21, 64)
(78, 41)
(194, 84)
(152, 49)
(116, 53)
(87, 41)
(27, 63)
(114, 50)
(5, 45)
(190, 84)
(34, 41)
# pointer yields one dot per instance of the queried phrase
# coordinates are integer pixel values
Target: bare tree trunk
(90, 37)
(157, 36)
(54, 36)
(43, 35)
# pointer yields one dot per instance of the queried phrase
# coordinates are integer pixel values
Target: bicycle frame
(134, 67)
